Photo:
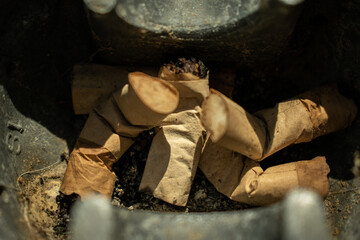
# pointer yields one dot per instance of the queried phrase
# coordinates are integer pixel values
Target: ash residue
(45, 212)
(191, 65)
(64, 203)
(203, 197)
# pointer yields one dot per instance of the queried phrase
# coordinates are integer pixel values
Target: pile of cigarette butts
(197, 127)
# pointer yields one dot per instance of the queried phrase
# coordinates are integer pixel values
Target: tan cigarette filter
(231, 126)
(142, 100)
(243, 180)
(90, 163)
(109, 132)
(312, 114)
(112, 115)
(87, 173)
(175, 151)
(93, 83)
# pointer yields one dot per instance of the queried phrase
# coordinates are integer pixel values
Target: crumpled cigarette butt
(257, 136)
(230, 159)
(146, 100)
(240, 139)
(243, 179)
(110, 130)
(93, 83)
(175, 151)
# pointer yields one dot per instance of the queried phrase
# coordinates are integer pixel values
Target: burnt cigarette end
(191, 65)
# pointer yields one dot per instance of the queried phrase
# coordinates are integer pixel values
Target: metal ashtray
(42, 41)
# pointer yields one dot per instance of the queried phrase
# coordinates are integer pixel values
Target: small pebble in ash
(201, 194)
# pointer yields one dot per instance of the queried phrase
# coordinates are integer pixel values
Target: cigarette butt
(232, 127)
(301, 119)
(243, 180)
(90, 164)
(93, 83)
(110, 112)
(313, 174)
(222, 167)
(329, 110)
(273, 184)
(86, 172)
(97, 132)
(146, 100)
(312, 114)
(175, 151)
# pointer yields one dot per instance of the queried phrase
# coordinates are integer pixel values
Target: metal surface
(299, 216)
(351, 230)
(303, 217)
(184, 16)
(147, 32)
(25, 144)
(41, 40)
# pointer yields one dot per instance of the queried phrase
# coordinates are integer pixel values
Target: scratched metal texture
(25, 145)
(41, 40)
(148, 32)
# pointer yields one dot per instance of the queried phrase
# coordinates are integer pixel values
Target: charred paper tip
(183, 70)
